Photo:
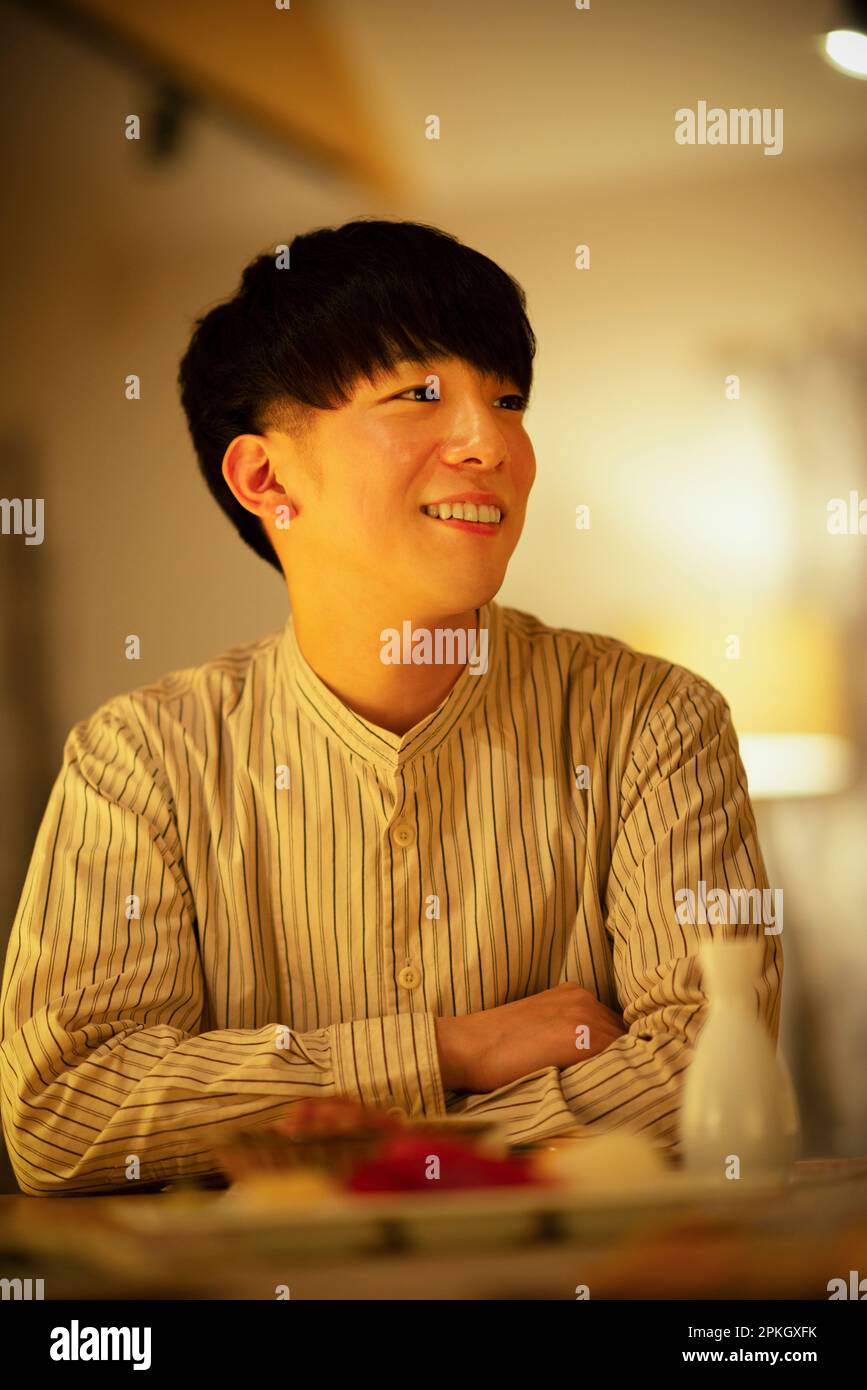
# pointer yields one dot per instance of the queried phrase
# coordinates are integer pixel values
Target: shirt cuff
(390, 1061)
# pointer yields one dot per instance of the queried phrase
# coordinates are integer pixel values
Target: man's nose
(478, 442)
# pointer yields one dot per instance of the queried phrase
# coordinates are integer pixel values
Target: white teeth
(464, 511)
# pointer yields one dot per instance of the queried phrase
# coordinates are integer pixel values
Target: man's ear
(251, 473)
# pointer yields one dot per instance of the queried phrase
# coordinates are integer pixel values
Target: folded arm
(101, 1055)
(685, 817)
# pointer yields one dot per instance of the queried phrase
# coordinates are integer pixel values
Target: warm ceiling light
(846, 50)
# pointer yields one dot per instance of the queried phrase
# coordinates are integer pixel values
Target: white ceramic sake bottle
(738, 1100)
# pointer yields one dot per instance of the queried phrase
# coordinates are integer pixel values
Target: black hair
(352, 302)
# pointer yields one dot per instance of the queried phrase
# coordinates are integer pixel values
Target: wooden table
(813, 1231)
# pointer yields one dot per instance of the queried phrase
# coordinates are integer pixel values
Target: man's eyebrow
(433, 356)
(380, 373)
(422, 360)
(402, 365)
(425, 364)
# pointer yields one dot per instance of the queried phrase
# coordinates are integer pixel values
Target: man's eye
(421, 393)
(424, 393)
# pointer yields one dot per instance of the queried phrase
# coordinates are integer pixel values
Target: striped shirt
(243, 894)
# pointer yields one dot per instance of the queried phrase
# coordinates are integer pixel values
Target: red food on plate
(415, 1163)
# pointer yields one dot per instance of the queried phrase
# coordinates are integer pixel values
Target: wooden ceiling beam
(283, 71)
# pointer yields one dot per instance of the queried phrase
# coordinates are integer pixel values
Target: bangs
(395, 298)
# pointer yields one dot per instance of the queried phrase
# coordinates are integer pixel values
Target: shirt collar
(368, 741)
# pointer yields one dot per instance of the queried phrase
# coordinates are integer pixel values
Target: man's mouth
(464, 511)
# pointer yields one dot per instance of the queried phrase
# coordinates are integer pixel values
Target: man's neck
(344, 646)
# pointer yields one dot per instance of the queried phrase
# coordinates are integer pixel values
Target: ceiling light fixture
(846, 48)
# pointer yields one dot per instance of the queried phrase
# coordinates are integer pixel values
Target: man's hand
(482, 1051)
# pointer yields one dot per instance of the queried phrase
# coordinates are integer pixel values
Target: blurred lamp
(846, 48)
(785, 689)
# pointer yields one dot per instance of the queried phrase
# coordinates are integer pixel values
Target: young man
(416, 849)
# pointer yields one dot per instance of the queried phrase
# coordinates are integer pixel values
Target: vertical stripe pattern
(242, 894)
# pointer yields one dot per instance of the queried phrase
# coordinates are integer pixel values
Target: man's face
(364, 475)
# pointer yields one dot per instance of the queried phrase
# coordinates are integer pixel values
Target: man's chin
(451, 604)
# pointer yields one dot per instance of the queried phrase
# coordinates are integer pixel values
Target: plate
(363, 1224)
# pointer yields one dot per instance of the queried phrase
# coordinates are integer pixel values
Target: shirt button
(403, 834)
(409, 977)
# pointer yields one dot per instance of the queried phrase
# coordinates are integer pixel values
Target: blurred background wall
(708, 498)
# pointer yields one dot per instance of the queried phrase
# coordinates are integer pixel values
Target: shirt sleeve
(102, 1057)
(685, 816)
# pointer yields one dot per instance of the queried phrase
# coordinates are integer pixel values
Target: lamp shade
(782, 675)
